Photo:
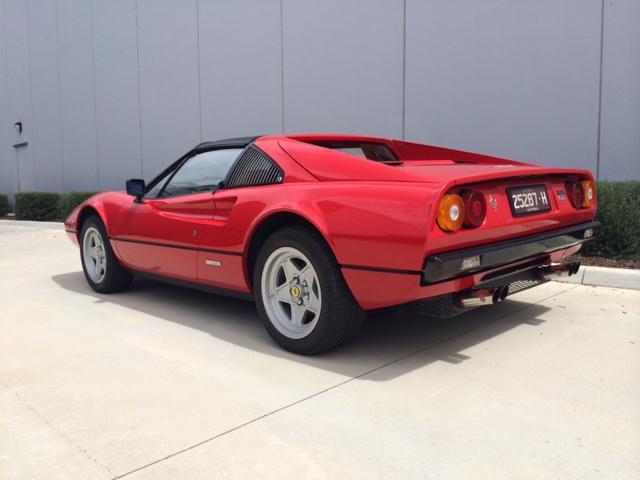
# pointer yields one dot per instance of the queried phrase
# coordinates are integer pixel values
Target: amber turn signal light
(451, 213)
(589, 189)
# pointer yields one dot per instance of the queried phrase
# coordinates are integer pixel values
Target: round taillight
(451, 213)
(475, 208)
(589, 189)
(575, 192)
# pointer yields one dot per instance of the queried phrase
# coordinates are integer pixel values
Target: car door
(160, 234)
(220, 252)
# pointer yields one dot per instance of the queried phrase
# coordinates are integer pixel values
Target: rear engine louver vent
(254, 168)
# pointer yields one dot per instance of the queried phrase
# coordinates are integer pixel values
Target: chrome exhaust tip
(504, 292)
(499, 294)
(559, 269)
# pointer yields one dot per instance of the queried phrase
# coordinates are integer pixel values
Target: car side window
(201, 173)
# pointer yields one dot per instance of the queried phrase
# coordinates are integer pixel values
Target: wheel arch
(270, 224)
(85, 212)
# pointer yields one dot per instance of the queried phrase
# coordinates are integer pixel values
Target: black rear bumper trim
(446, 266)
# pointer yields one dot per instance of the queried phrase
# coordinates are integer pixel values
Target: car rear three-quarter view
(318, 229)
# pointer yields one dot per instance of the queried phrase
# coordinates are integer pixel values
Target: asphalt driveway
(163, 382)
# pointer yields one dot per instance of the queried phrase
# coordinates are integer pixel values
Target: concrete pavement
(162, 382)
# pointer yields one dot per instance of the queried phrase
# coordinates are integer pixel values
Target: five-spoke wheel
(292, 291)
(301, 294)
(94, 255)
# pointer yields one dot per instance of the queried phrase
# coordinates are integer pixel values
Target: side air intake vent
(254, 168)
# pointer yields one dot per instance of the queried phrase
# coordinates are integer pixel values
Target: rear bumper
(500, 264)
(495, 288)
(449, 265)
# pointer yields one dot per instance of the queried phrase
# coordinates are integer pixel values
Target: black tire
(116, 277)
(340, 316)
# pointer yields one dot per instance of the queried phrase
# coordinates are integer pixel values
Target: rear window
(378, 152)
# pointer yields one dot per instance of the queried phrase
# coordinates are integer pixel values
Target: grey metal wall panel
(141, 81)
(77, 93)
(620, 128)
(170, 99)
(343, 66)
(6, 175)
(45, 92)
(240, 68)
(19, 93)
(517, 79)
(117, 100)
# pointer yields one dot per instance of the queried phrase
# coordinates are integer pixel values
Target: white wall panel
(343, 66)
(16, 28)
(169, 81)
(620, 131)
(6, 175)
(112, 89)
(240, 68)
(45, 92)
(75, 43)
(516, 79)
(117, 100)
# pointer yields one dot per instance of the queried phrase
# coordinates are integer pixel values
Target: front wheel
(99, 263)
(301, 295)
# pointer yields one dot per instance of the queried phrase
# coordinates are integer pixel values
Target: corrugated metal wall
(112, 89)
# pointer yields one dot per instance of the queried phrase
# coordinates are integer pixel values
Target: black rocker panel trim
(181, 247)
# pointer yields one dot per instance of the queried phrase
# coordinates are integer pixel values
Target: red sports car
(318, 229)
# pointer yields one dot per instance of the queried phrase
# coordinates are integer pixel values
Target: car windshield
(378, 152)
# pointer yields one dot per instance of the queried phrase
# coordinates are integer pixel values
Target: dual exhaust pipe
(500, 294)
(477, 298)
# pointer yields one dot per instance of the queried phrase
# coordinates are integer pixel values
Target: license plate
(528, 200)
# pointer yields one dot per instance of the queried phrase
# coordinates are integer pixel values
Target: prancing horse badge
(493, 202)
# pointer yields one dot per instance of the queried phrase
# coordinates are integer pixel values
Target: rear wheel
(301, 295)
(99, 263)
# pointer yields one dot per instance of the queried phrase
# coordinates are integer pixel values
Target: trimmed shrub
(619, 212)
(39, 206)
(69, 201)
(4, 205)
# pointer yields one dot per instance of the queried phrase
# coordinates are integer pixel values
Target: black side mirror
(135, 187)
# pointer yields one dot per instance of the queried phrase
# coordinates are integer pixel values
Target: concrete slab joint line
(340, 384)
(57, 431)
(106, 387)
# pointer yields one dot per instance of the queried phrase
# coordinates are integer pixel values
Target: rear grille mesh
(254, 168)
(520, 285)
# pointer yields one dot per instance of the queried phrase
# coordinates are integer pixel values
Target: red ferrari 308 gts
(318, 229)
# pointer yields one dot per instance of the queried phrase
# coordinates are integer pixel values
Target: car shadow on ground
(408, 341)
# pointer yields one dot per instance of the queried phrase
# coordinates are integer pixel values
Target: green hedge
(619, 212)
(45, 206)
(39, 206)
(69, 201)
(4, 205)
